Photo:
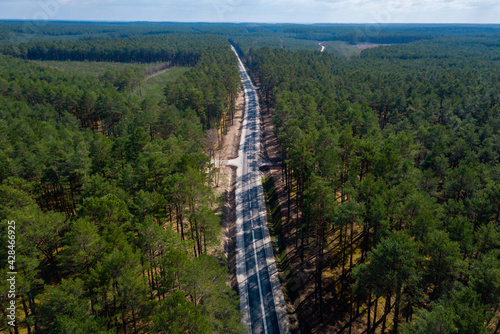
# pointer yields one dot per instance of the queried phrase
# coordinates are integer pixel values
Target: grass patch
(342, 49)
(153, 86)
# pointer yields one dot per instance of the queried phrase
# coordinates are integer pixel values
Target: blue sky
(294, 11)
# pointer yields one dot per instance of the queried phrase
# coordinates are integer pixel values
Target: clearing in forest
(153, 84)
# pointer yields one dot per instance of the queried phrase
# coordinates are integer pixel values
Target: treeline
(179, 49)
(115, 223)
(385, 33)
(21, 32)
(95, 105)
(273, 35)
(393, 162)
(352, 33)
(478, 49)
(210, 89)
(25, 31)
(211, 92)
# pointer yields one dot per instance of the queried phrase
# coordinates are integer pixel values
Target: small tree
(391, 268)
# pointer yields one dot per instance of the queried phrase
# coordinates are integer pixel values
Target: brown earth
(149, 76)
(225, 187)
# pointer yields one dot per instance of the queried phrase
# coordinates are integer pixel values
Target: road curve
(323, 47)
(261, 298)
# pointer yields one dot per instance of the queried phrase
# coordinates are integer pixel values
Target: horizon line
(246, 22)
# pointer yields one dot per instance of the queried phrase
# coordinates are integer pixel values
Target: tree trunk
(369, 306)
(26, 314)
(396, 311)
(497, 328)
(374, 327)
(287, 187)
(366, 239)
(16, 331)
(179, 217)
(350, 313)
(351, 242)
(31, 303)
(114, 307)
(387, 309)
(124, 322)
(319, 269)
(342, 259)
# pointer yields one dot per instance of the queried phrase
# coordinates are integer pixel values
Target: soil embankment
(226, 188)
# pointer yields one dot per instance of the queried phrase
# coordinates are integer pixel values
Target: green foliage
(91, 68)
(178, 315)
(116, 230)
(391, 158)
(439, 320)
(69, 303)
(443, 261)
(461, 312)
(153, 87)
(485, 279)
(402, 137)
(391, 265)
(209, 89)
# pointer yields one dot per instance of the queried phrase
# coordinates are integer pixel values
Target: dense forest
(111, 194)
(392, 163)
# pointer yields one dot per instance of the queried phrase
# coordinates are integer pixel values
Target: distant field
(292, 44)
(339, 48)
(342, 49)
(153, 86)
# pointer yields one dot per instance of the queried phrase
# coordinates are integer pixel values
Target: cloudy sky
(295, 11)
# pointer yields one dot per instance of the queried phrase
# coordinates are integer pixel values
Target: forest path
(157, 72)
